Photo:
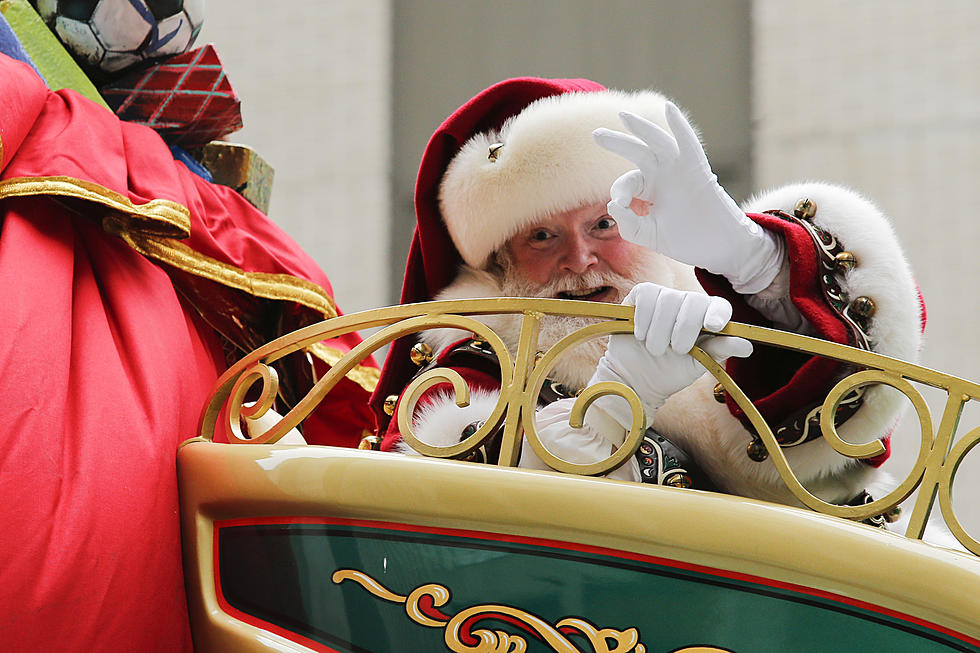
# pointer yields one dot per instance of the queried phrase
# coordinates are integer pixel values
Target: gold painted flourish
(524, 373)
(604, 640)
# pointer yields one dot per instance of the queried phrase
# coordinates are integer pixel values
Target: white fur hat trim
(549, 163)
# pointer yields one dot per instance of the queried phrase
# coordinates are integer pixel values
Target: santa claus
(564, 189)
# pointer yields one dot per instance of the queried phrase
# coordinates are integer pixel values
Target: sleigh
(299, 548)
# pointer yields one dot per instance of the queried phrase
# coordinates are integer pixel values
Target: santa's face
(577, 254)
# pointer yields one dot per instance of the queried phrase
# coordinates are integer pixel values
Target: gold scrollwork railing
(523, 375)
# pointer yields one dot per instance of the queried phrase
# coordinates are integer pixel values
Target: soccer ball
(109, 36)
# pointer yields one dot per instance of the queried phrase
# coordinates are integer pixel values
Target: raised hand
(672, 203)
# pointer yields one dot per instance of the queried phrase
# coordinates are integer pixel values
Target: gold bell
(370, 442)
(678, 480)
(845, 261)
(757, 451)
(494, 149)
(389, 405)
(805, 209)
(719, 393)
(421, 354)
(891, 516)
(863, 307)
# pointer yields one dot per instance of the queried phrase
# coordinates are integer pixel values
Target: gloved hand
(654, 361)
(692, 219)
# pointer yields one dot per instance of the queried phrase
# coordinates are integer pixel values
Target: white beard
(575, 366)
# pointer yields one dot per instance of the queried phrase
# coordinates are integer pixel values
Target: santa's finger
(626, 187)
(627, 146)
(686, 138)
(644, 297)
(632, 227)
(659, 142)
(668, 305)
(724, 347)
(690, 319)
(718, 314)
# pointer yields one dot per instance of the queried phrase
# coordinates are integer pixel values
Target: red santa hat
(517, 151)
(541, 161)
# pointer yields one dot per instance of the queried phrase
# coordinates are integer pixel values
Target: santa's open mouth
(600, 294)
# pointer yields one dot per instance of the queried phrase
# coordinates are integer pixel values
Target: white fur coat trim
(883, 274)
(441, 422)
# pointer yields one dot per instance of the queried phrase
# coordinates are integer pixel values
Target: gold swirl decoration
(461, 636)
(524, 371)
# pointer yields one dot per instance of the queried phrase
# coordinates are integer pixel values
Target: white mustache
(514, 284)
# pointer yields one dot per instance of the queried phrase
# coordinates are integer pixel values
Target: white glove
(654, 361)
(596, 441)
(692, 219)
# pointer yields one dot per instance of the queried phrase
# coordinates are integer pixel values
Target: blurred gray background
(340, 96)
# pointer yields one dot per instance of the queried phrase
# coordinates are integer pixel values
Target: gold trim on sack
(158, 217)
(362, 375)
(279, 287)
(152, 229)
(283, 287)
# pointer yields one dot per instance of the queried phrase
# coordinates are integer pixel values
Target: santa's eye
(605, 223)
(541, 235)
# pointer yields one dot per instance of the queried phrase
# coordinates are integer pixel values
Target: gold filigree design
(415, 390)
(522, 379)
(540, 374)
(457, 627)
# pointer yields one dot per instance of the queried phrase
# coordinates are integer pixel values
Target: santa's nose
(578, 256)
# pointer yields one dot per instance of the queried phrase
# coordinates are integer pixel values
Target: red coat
(119, 268)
